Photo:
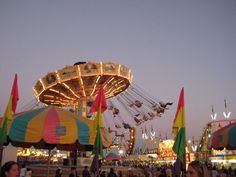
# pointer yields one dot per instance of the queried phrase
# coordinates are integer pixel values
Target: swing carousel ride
(129, 106)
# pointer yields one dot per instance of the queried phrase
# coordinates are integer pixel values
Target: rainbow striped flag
(178, 129)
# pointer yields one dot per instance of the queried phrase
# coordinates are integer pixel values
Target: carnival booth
(218, 143)
(223, 143)
(165, 153)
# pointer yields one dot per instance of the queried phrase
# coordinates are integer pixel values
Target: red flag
(99, 100)
(15, 94)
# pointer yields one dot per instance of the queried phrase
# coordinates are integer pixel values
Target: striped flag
(178, 129)
(11, 107)
(98, 140)
(99, 106)
(5, 122)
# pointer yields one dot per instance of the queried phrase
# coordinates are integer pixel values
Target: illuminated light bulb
(226, 115)
(143, 136)
(213, 116)
(194, 148)
(153, 133)
(121, 151)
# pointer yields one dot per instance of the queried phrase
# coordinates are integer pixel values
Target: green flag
(178, 129)
(98, 140)
(5, 122)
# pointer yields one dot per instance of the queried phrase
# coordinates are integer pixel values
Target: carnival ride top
(129, 106)
(67, 86)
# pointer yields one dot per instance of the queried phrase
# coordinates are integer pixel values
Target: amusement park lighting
(143, 136)
(217, 161)
(232, 161)
(56, 91)
(35, 92)
(119, 69)
(95, 85)
(93, 90)
(109, 91)
(213, 116)
(58, 78)
(121, 152)
(101, 67)
(167, 161)
(131, 78)
(108, 82)
(48, 96)
(78, 68)
(70, 90)
(40, 80)
(98, 79)
(118, 89)
(82, 84)
(194, 148)
(152, 155)
(153, 134)
(226, 115)
(209, 135)
(189, 141)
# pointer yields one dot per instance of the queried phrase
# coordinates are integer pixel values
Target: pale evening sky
(167, 45)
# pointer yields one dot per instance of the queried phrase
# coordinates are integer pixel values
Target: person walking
(58, 172)
(214, 172)
(197, 169)
(73, 172)
(112, 173)
(85, 172)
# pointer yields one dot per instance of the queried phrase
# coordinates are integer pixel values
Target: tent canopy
(225, 137)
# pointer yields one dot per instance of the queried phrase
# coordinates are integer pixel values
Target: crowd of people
(195, 169)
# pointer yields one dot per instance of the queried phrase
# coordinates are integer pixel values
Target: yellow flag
(8, 112)
(98, 120)
(5, 124)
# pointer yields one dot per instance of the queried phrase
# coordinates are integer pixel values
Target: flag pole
(179, 130)
(1, 152)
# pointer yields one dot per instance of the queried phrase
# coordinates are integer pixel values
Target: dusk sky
(167, 45)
